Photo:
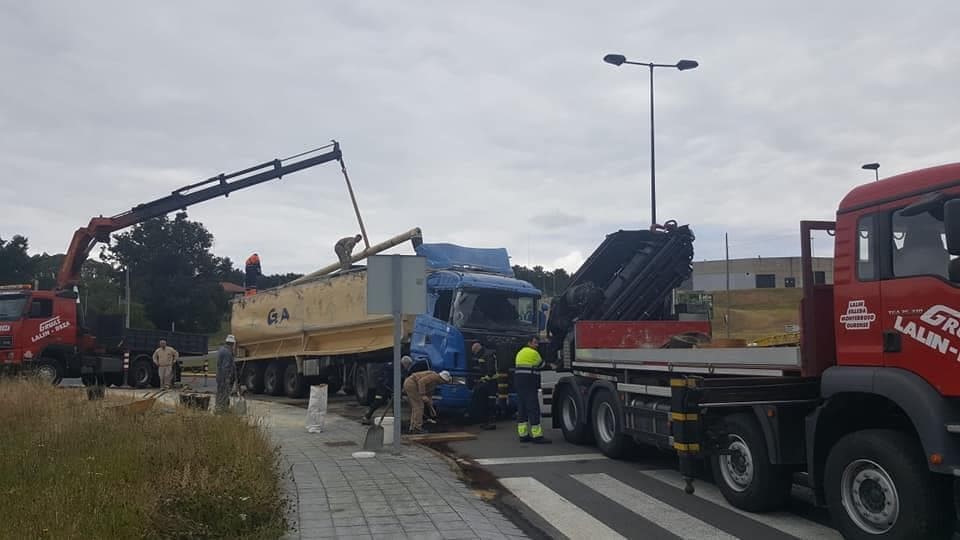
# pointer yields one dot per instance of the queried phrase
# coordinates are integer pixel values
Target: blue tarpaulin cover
(454, 257)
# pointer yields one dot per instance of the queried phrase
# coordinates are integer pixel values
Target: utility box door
(412, 280)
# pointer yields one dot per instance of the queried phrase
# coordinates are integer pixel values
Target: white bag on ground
(317, 408)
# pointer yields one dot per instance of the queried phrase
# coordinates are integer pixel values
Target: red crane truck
(42, 331)
(865, 411)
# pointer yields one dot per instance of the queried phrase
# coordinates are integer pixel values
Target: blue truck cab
(472, 296)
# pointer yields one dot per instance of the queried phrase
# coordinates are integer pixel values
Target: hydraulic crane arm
(100, 228)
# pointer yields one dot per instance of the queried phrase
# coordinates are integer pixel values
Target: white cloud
(493, 124)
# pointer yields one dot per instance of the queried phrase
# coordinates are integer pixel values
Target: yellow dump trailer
(324, 317)
(315, 329)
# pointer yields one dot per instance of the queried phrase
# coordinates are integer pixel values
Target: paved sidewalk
(415, 495)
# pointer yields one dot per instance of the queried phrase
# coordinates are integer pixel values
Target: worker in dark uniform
(484, 405)
(252, 275)
(526, 381)
(384, 385)
(344, 248)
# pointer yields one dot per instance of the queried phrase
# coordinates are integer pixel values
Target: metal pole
(876, 175)
(726, 241)
(127, 319)
(356, 209)
(653, 174)
(397, 330)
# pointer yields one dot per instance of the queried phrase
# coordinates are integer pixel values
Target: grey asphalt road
(575, 492)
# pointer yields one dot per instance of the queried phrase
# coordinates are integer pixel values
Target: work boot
(541, 440)
(417, 431)
(365, 420)
(526, 438)
(488, 426)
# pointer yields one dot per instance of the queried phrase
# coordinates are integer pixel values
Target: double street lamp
(682, 65)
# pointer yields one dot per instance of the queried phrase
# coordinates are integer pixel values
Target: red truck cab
(39, 330)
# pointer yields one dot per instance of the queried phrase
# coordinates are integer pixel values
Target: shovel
(374, 439)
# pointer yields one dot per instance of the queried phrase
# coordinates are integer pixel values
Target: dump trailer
(317, 330)
(865, 412)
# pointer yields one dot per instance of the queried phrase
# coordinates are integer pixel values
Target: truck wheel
(744, 473)
(141, 373)
(273, 378)
(877, 485)
(293, 384)
(361, 385)
(334, 384)
(576, 428)
(253, 377)
(608, 426)
(50, 370)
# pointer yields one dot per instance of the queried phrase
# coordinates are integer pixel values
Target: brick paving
(415, 495)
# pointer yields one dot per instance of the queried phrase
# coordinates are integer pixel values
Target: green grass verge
(72, 468)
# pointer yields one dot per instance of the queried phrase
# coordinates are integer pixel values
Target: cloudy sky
(484, 123)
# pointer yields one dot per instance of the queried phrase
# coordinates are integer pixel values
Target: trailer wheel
(253, 376)
(141, 373)
(878, 486)
(608, 426)
(50, 370)
(743, 471)
(334, 384)
(293, 383)
(273, 378)
(361, 385)
(576, 428)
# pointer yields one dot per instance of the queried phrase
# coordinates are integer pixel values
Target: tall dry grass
(72, 468)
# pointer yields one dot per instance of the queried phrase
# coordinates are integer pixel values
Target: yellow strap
(685, 447)
(684, 417)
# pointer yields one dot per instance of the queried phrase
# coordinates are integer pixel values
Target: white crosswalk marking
(540, 459)
(563, 515)
(676, 521)
(782, 521)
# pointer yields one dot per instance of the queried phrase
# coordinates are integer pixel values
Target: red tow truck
(865, 412)
(42, 332)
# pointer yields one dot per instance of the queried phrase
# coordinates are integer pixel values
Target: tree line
(175, 278)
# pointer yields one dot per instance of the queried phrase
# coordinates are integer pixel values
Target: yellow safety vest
(528, 357)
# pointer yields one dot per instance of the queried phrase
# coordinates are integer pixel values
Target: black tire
(142, 374)
(252, 377)
(361, 385)
(892, 473)
(50, 370)
(746, 477)
(273, 378)
(334, 384)
(606, 419)
(570, 412)
(293, 384)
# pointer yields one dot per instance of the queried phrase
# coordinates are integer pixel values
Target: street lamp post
(875, 167)
(682, 65)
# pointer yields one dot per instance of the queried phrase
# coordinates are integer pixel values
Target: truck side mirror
(951, 224)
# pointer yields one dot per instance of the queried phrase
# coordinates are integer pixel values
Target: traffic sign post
(396, 285)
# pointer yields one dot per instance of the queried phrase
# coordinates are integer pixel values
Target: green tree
(15, 264)
(173, 272)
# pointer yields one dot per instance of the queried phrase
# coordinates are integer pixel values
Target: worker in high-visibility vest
(526, 381)
(251, 275)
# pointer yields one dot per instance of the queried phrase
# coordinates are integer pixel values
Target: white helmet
(231, 339)
(445, 375)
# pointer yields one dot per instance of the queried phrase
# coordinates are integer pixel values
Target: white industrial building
(756, 273)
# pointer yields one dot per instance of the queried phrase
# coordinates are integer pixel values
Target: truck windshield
(11, 307)
(495, 311)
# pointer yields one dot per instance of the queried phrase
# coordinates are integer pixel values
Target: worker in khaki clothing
(164, 358)
(419, 388)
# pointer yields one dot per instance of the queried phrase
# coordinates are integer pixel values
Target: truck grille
(6, 342)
